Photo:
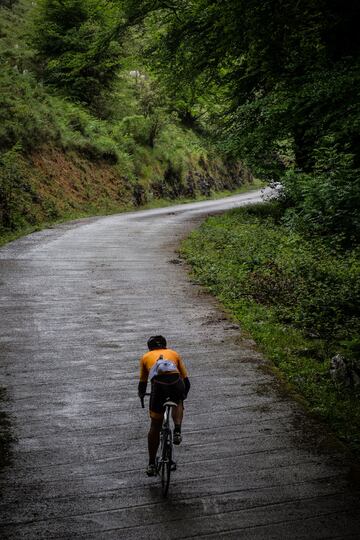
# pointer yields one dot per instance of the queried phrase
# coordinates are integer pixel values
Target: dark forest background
(280, 81)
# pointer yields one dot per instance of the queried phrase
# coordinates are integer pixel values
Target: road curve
(77, 304)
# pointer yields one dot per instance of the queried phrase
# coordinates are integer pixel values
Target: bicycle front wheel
(166, 464)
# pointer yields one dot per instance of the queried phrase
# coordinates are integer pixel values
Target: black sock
(177, 428)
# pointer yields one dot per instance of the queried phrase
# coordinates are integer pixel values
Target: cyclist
(167, 373)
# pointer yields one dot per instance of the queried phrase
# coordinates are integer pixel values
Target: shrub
(137, 127)
(245, 254)
(25, 115)
(77, 52)
(15, 191)
(298, 297)
(327, 201)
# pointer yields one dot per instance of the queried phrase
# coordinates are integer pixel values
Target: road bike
(164, 458)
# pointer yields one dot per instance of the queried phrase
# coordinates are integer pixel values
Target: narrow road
(78, 303)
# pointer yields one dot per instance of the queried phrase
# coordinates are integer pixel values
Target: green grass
(298, 300)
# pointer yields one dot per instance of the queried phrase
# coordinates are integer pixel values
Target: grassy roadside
(105, 210)
(296, 297)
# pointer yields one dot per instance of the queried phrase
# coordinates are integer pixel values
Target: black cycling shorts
(164, 387)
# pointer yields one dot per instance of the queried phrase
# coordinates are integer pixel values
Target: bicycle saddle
(170, 404)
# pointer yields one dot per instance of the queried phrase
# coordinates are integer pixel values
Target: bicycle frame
(164, 462)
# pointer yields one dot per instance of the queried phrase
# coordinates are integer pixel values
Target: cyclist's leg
(154, 438)
(178, 414)
(177, 394)
(156, 415)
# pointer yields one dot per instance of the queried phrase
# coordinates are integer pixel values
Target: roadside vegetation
(85, 125)
(297, 298)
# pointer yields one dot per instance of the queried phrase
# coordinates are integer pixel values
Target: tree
(77, 45)
(280, 78)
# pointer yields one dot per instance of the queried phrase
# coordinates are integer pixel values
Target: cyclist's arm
(184, 375)
(181, 367)
(143, 379)
(142, 388)
(187, 386)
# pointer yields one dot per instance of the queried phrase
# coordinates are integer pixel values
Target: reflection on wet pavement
(77, 305)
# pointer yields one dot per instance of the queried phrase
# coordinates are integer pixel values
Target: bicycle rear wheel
(166, 463)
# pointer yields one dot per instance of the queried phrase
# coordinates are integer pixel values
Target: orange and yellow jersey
(149, 360)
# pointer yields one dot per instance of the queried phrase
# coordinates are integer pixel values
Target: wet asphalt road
(78, 303)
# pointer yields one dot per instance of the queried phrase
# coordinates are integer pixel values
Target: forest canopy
(279, 80)
(273, 83)
(77, 93)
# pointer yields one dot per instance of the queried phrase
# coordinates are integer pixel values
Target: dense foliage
(76, 46)
(74, 86)
(274, 83)
(304, 282)
(298, 298)
(279, 80)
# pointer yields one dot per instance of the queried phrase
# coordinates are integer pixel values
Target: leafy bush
(273, 84)
(16, 195)
(76, 48)
(307, 284)
(25, 115)
(137, 127)
(327, 201)
(299, 299)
